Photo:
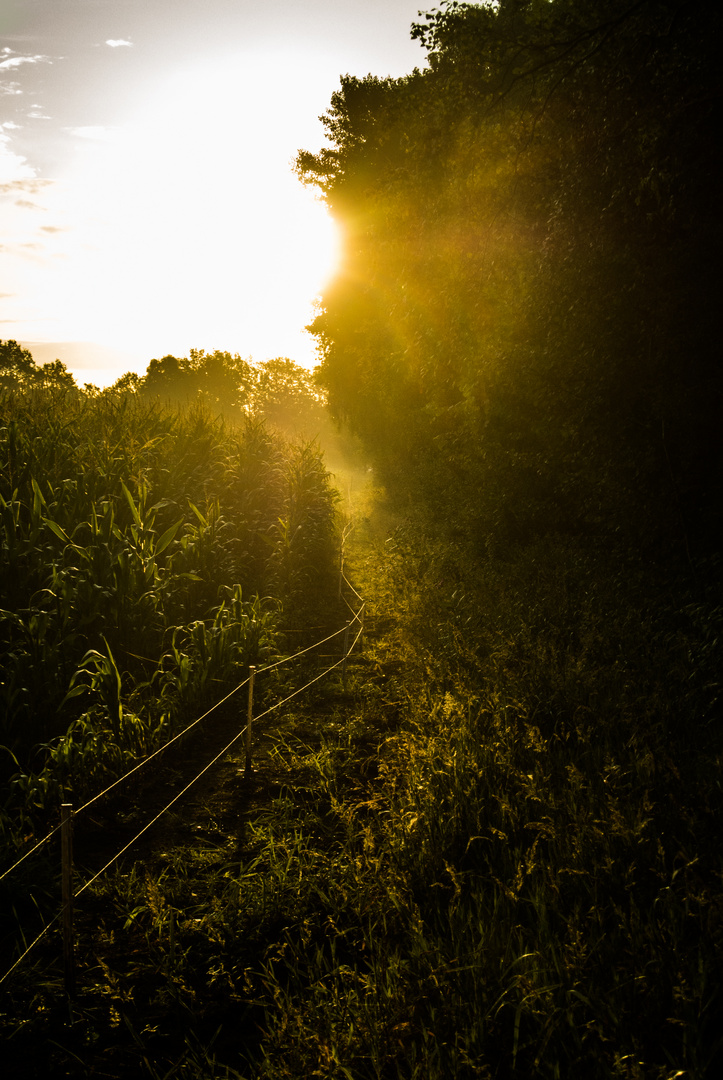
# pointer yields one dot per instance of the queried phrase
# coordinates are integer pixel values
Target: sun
(190, 227)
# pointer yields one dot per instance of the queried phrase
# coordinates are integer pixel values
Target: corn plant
(135, 544)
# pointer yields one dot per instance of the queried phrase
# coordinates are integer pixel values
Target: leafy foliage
(18, 369)
(220, 380)
(497, 856)
(136, 544)
(278, 391)
(526, 310)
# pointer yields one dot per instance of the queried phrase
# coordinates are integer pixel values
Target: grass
(496, 856)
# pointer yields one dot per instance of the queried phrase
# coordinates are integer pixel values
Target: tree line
(278, 390)
(525, 329)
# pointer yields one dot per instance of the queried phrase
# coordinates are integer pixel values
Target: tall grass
(497, 856)
(525, 880)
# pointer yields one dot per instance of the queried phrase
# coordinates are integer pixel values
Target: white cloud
(16, 61)
(118, 43)
(12, 166)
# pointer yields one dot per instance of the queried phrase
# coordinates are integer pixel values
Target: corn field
(147, 558)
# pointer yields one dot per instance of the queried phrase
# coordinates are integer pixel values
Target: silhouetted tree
(18, 369)
(54, 373)
(525, 326)
(221, 379)
(129, 383)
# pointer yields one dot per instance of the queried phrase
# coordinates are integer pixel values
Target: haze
(147, 200)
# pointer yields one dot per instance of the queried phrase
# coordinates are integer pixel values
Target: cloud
(51, 229)
(119, 43)
(11, 62)
(13, 166)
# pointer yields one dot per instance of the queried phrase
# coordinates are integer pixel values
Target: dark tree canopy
(278, 391)
(221, 379)
(19, 370)
(525, 325)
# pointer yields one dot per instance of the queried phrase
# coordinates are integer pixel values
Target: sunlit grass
(494, 856)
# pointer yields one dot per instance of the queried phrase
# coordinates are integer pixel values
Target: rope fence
(69, 815)
(32, 850)
(141, 764)
(32, 944)
(351, 587)
(122, 779)
(286, 659)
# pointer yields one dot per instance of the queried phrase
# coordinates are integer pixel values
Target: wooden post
(361, 626)
(66, 846)
(249, 717)
(346, 653)
(172, 937)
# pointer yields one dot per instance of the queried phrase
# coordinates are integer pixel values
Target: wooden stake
(66, 845)
(346, 653)
(249, 717)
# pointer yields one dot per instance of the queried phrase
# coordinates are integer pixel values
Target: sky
(147, 199)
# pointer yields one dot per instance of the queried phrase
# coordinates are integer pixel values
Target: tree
(287, 396)
(167, 378)
(17, 367)
(54, 373)
(224, 380)
(221, 379)
(129, 383)
(524, 328)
